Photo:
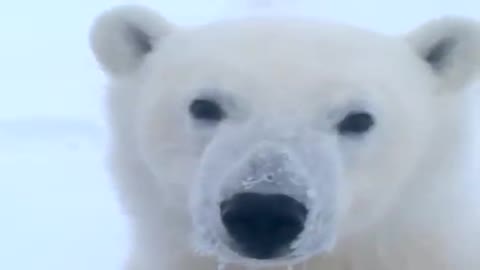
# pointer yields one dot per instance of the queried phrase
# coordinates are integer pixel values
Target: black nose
(263, 225)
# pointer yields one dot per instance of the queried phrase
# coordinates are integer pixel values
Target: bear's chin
(229, 256)
(284, 261)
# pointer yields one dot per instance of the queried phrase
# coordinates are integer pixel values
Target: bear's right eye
(206, 110)
(355, 123)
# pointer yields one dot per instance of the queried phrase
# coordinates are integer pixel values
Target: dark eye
(206, 110)
(355, 123)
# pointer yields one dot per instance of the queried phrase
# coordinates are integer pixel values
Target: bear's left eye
(355, 123)
(206, 110)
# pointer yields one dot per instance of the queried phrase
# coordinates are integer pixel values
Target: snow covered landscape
(58, 210)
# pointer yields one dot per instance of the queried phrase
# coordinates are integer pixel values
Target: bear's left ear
(122, 36)
(451, 48)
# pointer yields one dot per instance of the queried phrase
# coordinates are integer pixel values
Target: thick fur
(409, 195)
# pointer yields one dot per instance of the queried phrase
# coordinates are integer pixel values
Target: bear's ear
(451, 48)
(122, 36)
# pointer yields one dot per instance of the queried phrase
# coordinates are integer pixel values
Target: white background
(57, 208)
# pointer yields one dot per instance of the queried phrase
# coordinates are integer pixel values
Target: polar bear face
(276, 137)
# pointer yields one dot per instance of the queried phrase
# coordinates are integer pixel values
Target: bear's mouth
(259, 254)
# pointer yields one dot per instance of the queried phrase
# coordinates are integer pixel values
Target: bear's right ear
(122, 36)
(450, 46)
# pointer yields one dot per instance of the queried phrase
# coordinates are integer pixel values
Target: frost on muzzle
(269, 200)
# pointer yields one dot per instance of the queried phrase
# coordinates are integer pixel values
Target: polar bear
(284, 142)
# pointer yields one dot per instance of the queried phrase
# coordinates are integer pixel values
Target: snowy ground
(57, 208)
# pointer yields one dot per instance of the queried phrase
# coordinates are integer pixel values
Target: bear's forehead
(285, 38)
(283, 55)
(285, 46)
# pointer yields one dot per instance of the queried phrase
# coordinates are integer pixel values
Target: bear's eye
(355, 123)
(206, 110)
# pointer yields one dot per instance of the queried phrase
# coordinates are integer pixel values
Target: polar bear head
(276, 137)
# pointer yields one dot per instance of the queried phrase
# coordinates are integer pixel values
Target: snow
(58, 210)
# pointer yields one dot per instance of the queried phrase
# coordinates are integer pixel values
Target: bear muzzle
(272, 203)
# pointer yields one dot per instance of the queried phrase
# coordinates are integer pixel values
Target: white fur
(404, 197)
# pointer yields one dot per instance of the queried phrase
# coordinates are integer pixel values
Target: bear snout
(263, 226)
